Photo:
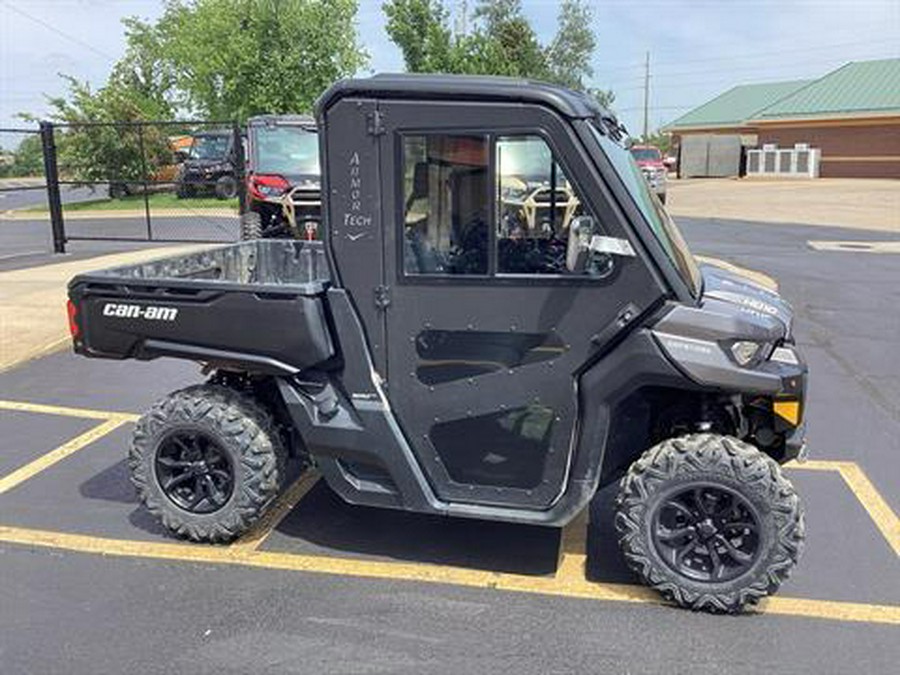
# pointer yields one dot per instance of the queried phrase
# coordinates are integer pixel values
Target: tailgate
(272, 332)
(254, 305)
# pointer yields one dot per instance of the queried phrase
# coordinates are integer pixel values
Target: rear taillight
(74, 328)
(263, 186)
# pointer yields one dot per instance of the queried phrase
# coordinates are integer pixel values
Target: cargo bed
(257, 305)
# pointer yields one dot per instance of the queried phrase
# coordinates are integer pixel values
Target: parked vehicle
(284, 178)
(425, 356)
(160, 177)
(671, 162)
(650, 161)
(210, 167)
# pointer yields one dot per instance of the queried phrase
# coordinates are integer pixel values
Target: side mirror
(587, 247)
(578, 249)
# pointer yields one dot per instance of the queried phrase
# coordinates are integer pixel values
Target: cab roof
(463, 87)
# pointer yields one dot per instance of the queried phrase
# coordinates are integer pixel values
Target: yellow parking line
(575, 588)
(285, 503)
(31, 469)
(830, 609)
(21, 406)
(865, 491)
(569, 581)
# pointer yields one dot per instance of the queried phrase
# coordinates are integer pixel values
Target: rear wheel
(207, 461)
(118, 190)
(710, 522)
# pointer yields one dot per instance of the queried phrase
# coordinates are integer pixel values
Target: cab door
(486, 329)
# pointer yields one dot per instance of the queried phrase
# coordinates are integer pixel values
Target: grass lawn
(158, 201)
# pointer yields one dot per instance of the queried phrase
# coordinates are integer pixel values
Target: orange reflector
(788, 410)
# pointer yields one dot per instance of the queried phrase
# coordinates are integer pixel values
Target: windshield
(663, 226)
(286, 150)
(209, 147)
(646, 155)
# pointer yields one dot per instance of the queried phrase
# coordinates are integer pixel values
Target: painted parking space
(21, 446)
(95, 511)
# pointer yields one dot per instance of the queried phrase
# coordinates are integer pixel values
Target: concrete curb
(33, 302)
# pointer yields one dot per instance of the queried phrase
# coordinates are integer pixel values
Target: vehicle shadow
(113, 485)
(604, 560)
(323, 524)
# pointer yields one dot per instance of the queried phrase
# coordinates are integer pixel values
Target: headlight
(745, 351)
(785, 355)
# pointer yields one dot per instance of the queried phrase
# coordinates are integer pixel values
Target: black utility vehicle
(437, 353)
(210, 167)
(284, 181)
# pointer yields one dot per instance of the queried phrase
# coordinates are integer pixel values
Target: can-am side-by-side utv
(284, 180)
(500, 319)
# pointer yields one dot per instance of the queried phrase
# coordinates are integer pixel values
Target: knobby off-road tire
(226, 187)
(251, 226)
(235, 435)
(183, 190)
(659, 512)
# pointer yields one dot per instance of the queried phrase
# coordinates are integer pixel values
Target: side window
(446, 204)
(536, 206)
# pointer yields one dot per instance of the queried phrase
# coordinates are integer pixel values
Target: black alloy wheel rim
(708, 533)
(194, 472)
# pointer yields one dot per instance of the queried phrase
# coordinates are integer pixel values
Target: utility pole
(647, 98)
(462, 18)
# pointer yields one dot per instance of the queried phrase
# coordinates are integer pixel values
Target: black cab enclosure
(501, 318)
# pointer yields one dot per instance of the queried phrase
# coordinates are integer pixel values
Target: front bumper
(656, 182)
(788, 406)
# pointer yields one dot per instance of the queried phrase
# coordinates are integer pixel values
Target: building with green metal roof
(737, 105)
(850, 117)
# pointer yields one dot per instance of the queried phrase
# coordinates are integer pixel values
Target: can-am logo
(150, 312)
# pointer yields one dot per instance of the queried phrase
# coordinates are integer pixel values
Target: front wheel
(207, 461)
(710, 522)
(226, 187)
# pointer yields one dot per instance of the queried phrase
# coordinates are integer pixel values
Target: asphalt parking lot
(89, 583)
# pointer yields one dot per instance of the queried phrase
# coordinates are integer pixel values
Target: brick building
(849, 117)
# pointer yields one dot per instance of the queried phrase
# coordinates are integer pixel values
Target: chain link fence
(23, 181)
(131, 181)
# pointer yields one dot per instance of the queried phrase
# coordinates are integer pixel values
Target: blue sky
(697, 48)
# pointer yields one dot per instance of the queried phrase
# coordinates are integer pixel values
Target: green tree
(421, 29)
(506, 43)
(28, 158)
(237, 58)
(661, 141)
(99, 143)
(502, 42)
